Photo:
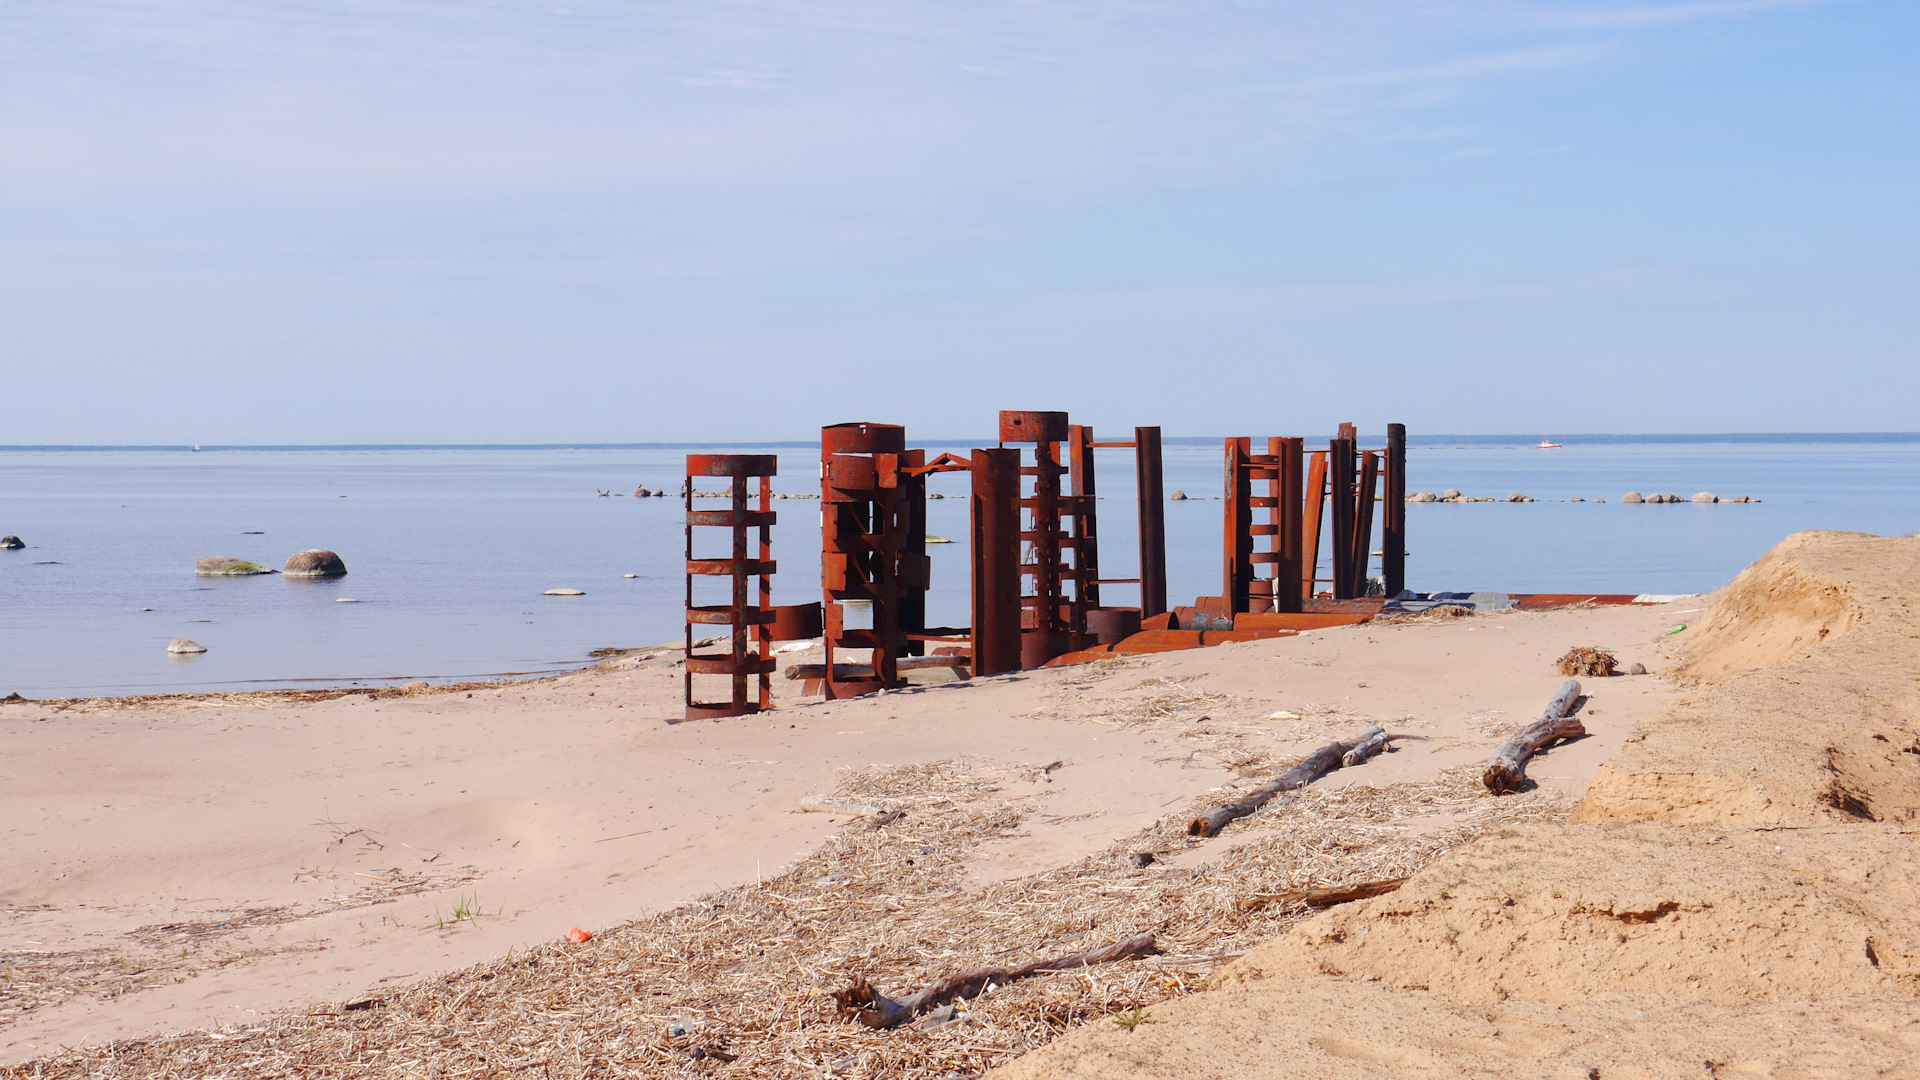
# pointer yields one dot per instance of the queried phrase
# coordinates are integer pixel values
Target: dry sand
(200, 863)
(1737, 894)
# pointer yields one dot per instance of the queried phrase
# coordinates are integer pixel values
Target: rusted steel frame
(995, 515)
(1340, 461)
(943, 464)
(1047, 629)
(1393, 524)
(1086, 526)
(1149, 479)
(1236, 568)
(749, 618)
(1286, 518)
(1363, 521)
(864, 542)
(1314, 511)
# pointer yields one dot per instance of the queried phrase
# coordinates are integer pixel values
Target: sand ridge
(1734, 896)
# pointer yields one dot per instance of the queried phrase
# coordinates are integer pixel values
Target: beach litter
(579, 936)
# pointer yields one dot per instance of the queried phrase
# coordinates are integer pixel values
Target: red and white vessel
(1548, 444)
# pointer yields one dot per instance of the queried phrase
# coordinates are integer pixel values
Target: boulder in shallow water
(315, 563)
(11, 543)
(1631, 497)
(182, 647)
(1706, 497)
(1176, 495)
(1450, 493)
(1423, 497)
(566, 592)
(226, 566)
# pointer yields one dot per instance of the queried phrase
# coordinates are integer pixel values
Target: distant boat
(196, 448)
(1548, 444)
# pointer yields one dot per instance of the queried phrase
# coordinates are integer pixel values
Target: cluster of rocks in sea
(1703, 498)
(312, 563)
(1453, 495)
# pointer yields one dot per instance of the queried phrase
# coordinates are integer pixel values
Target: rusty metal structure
(873, 554)
(748, 617)
(1060, 603)
(1268, 498)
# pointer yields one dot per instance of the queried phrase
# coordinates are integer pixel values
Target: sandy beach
(200, 863)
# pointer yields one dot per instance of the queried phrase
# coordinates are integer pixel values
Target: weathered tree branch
(1507, 772)
(1317, 764)
(867, 1005)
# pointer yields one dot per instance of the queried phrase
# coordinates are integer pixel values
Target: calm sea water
(450, 550)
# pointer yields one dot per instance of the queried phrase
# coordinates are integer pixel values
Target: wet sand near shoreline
(201, 862)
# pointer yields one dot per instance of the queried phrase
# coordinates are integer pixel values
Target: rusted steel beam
(1086, 524)
(1363, 521)
(1393, 526)
(1314, 510)
(1340, 468)
(1288, 572)
(750, 618)
(1149, 481)
(1236, 515)
(995, 513)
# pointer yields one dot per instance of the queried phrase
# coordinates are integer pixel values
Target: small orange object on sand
(579, 936)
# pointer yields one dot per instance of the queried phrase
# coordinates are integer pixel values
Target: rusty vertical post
(862, 537)
(1363, 521)
(1086, 526)
(746, 619)
(1286, 518)
(1148, 484)
(995, 506)
(1236, 568)
(916, 569)
(1393, 526)
(1313, 510)
(1340, 467)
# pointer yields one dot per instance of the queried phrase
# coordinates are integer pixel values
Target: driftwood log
(1507, 772)
(1366, 749)
(1326, 897)
(1313, 767)
(865, 1004)
(865, 671)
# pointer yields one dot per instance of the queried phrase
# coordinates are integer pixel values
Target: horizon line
(1187, 440)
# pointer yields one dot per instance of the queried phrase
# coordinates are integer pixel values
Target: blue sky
(444, 221)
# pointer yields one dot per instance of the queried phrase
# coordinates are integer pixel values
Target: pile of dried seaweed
(737, 983)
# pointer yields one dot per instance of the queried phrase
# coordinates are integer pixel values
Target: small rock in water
(1637, 668)
(345, 600)
(1599, 500)
(182, 647)
(11, 543)
(1423, 497)
(932, 539)
(566, 592)
(1706, 497)
(1631, 497)
(315, 563)
(1517, 497)
(629, 575)
(1176, 495)
(1450, 493)
(226, 566)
